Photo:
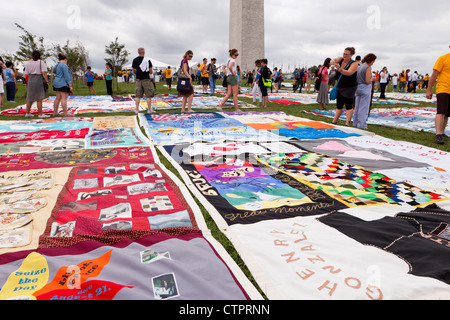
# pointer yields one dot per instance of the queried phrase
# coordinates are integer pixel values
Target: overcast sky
(402, 33)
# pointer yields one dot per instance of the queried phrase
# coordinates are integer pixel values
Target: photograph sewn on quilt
(153, 267)
(70, 158)
(103, 201)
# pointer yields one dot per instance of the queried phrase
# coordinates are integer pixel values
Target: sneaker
(29, 115)
(43, 116)
(439, 139)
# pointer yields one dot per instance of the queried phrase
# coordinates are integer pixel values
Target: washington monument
(247, 31)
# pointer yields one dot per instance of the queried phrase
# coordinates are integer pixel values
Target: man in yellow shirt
(426, 80)
(402, 85)
(204, 75)
(441, 73)
(168, 75)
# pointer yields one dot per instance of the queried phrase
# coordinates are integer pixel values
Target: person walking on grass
(232, 80)
(62, 85)
(36, 70)
(168, 76)
(441, 74)
(212, 72)
(90, 80)
(143, 68)
(188, 95)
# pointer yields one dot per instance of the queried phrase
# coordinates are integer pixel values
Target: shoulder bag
(183, 82)
(213, 72)
(266, 82)
(334, 91)
(319, 79)
(180, 73)
(225, 82)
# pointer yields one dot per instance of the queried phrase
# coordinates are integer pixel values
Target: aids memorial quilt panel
(417, 152)
(318, 255)
(43, 134)
(200, 101)
(100, 156)
(433, 177)
(115, 201)
(157, 267)
(368, 157)
(351, 184)
(79, 105)
(26, 202)
(209, 128)
(243, 190)
(406, 162)
(291, 127)
(68, 229)
(58, 134)
(366, 253)
(420, 237)
(417, 119)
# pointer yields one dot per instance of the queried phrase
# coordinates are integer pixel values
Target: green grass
(422, 138)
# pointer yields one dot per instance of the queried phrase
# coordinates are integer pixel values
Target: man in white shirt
(408, 80)
(414, 77)
(384, 76)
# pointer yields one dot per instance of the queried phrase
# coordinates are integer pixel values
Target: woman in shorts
(347, 85)
(62, 84)
(232, 80)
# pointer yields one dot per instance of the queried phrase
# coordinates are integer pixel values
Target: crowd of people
(351, 83)
(356, 83)
(208, 74)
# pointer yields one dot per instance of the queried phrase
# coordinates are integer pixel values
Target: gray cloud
(411, 34)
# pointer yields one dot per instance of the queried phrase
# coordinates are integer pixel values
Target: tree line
(77, 54)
